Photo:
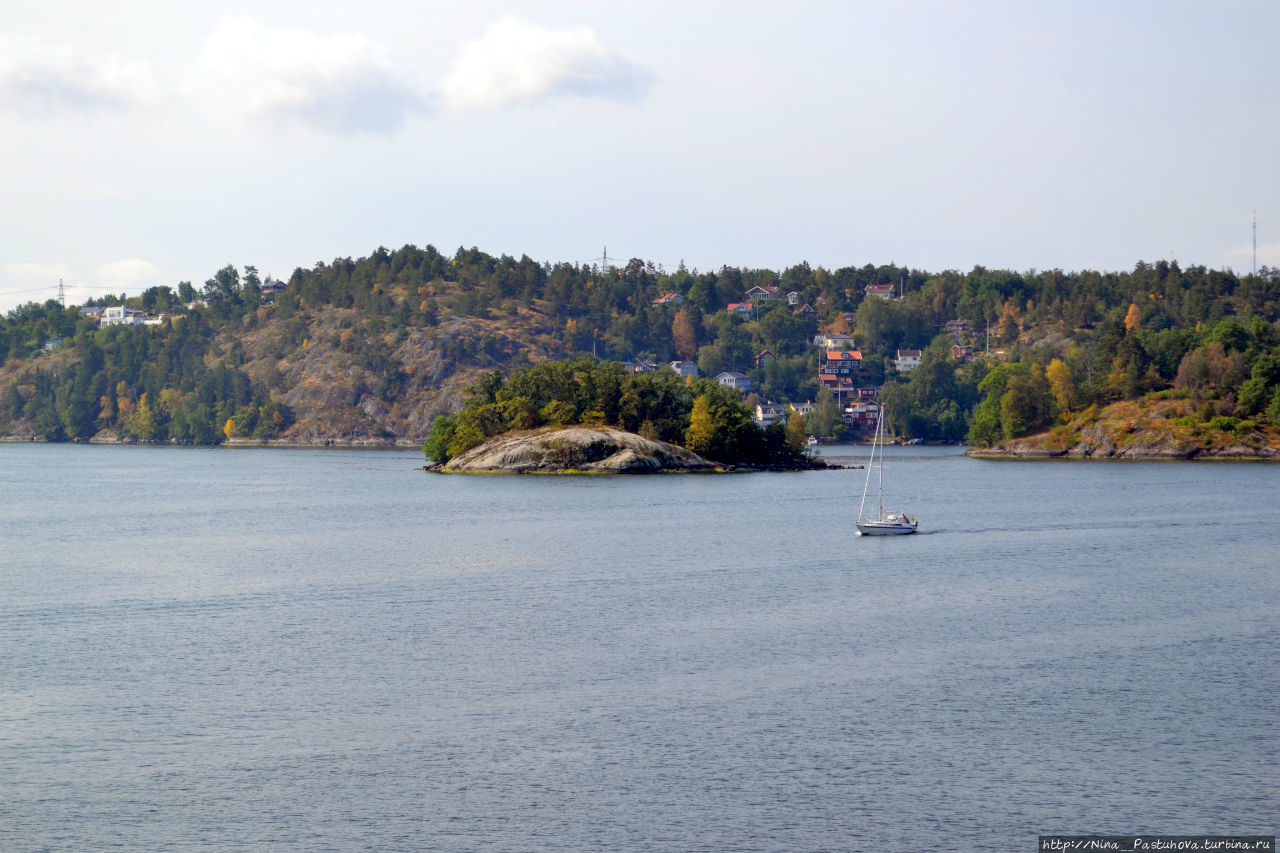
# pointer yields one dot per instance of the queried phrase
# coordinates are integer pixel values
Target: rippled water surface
(305, 650)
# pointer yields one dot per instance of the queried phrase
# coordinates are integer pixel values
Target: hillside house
(832, 340)
(669, 299)
(881, 291)
(841, 386)
(804, 408)
(735, 380)
(961, 352)
(767, 414)
(745, 309)
(862, 415)
(685, 369)
(758, 292)
(119, 315)
(840, 362)
(763, 357)
(806, 310)
(907, 360)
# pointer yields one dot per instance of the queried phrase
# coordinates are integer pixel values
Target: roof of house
(844, 355)
(908, 353)
(879, 288)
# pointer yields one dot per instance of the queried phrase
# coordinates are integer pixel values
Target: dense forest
(376, 348)
(704, 416)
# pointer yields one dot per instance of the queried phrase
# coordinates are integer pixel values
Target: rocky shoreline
(1147, 439)
(586, 450)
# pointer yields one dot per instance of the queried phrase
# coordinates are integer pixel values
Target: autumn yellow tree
(1133, 319)
(1061, 385)
(142, 423)
(682, 335)
(796, 438)
(702, 431)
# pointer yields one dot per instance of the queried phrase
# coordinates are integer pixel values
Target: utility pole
(1255, 242)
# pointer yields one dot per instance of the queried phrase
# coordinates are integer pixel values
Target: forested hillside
(373, 349)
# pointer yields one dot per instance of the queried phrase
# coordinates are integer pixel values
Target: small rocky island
(583, 449)
(577, 448)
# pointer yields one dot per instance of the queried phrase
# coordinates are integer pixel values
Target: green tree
(436, 447)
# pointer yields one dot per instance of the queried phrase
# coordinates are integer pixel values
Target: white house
(119, 315)
(733, 379)
(685, 369)
(802, 408)
(831, 340)
(770, 413)
(884, 291)
(907, 360)
(758, 292)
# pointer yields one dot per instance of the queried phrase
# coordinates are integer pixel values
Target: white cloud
(131, 271)
(516, 61)
(1240, 258)
(39, 79)
(340, 83)
(34, 275)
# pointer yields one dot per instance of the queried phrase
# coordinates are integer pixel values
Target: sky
(148, 143)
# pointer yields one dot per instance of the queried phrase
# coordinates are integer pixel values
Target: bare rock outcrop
(579, 448)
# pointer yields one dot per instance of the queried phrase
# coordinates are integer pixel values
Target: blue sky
(143, 144)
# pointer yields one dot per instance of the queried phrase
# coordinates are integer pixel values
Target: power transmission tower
(62, 294)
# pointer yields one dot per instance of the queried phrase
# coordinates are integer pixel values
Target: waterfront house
(862, 415)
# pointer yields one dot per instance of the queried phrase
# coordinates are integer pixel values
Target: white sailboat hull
(888, 523)
(886, 528)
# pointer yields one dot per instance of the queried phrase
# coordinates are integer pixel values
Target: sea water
(333, 650)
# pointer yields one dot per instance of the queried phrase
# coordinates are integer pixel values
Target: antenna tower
(1255, 242)
(62, 294)
(605, 263)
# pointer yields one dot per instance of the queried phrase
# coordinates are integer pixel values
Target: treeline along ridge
(375, 349)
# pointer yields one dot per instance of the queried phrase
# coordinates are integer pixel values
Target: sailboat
(886, 523)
